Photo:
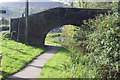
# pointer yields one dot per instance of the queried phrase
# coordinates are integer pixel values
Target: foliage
(94, 49)
(50, 39)
(62, 66)
(72, 39)
(67, 36)
(80, 66)
(16, 55)
(104, 41)
(98, 39)
(93, 5)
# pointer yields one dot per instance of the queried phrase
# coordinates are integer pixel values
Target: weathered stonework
(41, 23)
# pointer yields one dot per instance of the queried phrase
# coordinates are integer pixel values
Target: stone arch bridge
(40, 24)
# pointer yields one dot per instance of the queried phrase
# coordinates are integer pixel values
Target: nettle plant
(104, 40)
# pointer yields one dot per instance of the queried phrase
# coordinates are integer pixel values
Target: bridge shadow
(40, 67)
(49, 46)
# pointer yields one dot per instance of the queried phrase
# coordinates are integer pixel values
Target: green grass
(50, 39)
(54, 34)
(60, 66)
(16, 55)
(4, 25)
(54, 67)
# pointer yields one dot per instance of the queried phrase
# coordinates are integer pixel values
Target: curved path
(33, 69)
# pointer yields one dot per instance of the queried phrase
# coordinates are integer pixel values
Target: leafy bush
(73, 38)
(78, 65)
(93, 5)
(67, 36)
(98, 39)
(61, 66)
(104, 41)
(94, 49)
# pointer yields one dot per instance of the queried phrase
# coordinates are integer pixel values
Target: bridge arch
(41, 23)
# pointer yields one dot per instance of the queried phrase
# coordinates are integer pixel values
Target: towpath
(33, 69)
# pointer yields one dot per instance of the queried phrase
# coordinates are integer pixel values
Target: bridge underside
(41, 23)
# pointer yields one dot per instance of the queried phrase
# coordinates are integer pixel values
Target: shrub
(98, 38)
(104, 41)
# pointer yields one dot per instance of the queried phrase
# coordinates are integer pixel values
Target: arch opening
(53, 37)
(56, 35)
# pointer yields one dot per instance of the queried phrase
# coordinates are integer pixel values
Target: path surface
(33, 69)
(1, 32)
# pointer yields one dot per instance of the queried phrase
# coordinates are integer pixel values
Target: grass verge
(16, 55)
(4, 25)
(54, 67)
(50, 39)
(63, 66)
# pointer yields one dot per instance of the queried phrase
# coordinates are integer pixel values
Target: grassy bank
(4, 25)
(50, 39)
(61, 66)
(16, 55)
(54, 67)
